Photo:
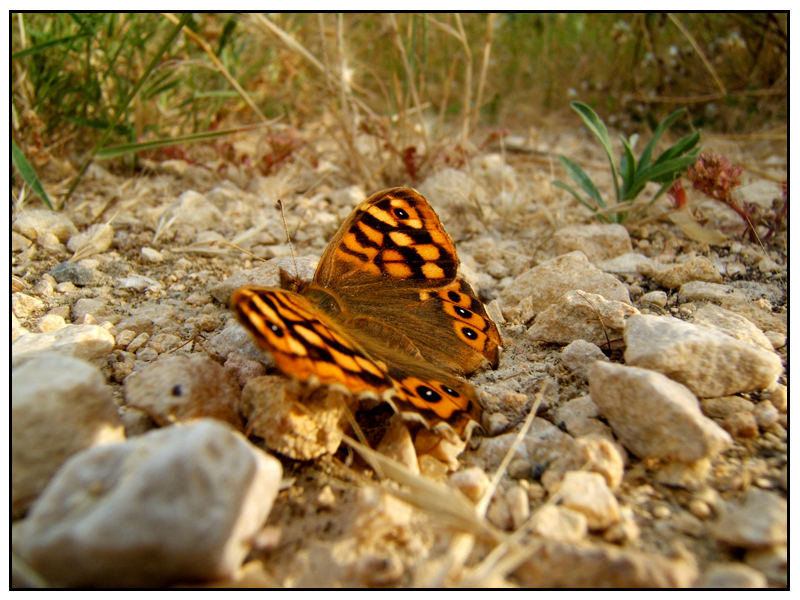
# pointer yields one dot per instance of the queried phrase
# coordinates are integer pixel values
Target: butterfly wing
(392, 260)
(386, 315)
(309, 342)
(305, 343)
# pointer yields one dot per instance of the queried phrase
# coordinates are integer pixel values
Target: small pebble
(519, 468)
(139, 341)
(65, 287)
(777, 395)
(776, 338)
(45, 287)
(656, 298)
(125, 337)
(72, 272)
(495, 423)
(699, 509)
(741, 424)
(518, 506)
(765, 414)
(25, 306)
(51, 322)
(49, 241)
(326, 498)
(151, 255)
(661, 512)
(147, 354)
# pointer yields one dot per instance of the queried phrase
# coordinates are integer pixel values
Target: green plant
(29, 173)
(631, 176)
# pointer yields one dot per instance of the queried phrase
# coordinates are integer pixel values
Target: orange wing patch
(303, 344)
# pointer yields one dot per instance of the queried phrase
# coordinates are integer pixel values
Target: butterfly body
(386, 315)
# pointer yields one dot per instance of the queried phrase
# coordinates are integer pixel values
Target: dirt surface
(330, 525)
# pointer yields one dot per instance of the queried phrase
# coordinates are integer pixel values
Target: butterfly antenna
(279, 202)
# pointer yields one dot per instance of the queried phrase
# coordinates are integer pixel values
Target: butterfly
(386, 316)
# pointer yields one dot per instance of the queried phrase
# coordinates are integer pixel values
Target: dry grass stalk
(487, 50)
(483, 503)
(220, 67)
(446, 503)
(699, 52)
(409, 76)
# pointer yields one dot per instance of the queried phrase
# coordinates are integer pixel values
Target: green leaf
(44, 46)
(578, 197)
(666, 170)
(683, 145)
(582, 179)
(644, 160)
(29, 173)
(627, 167)
(596, 125)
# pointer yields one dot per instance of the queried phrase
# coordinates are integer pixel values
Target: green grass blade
(627, 167)
(122, 149)
(682, 146)
(582, 179)
(125, 103)
(644, 160)
(29, 173)
(46, 45)
(596, 125)
(578, 197)
(666, 170)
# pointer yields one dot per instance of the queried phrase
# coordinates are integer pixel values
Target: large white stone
(178, 504)
(582, 315)
(652, 415)
(705, 360)
(547, 282)
(59, 406)
(81, 341)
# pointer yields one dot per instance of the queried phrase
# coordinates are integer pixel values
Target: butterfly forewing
(304, 342)
(393, 234)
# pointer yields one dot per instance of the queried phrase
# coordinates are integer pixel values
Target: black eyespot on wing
(462, 312)
(450, 391)
(428, 394)
(469, 333)
(400, 214)
(275, 329)
(454, 296)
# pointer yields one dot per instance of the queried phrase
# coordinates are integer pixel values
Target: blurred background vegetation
(110, 84)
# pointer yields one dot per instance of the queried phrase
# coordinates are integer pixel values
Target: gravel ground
(657, 456)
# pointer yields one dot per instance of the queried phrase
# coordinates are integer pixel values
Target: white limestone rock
(597, 241)
(59, 406)
(582, 315)
(87, 342)
(707, 361)
(654, 416)
(178, 504)
(547, 282)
